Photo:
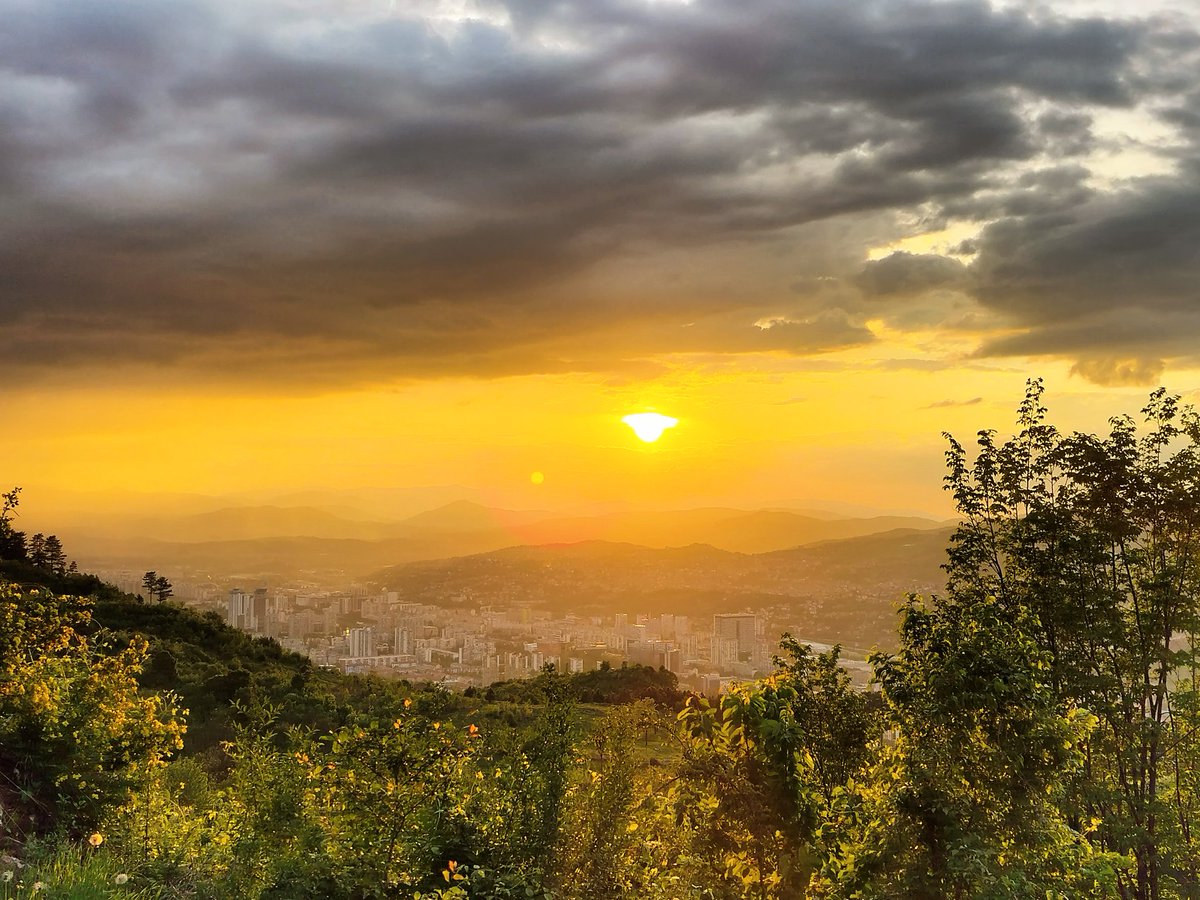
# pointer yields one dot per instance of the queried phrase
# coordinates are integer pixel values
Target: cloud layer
(361, 190)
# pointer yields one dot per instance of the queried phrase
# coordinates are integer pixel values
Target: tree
(162, 588)
(599, 832)
(12, 542)
(55, 558)
(37, 550)
(762, 767)
(76, 733)
(157, 586)
(963, 802)
(1097, 540)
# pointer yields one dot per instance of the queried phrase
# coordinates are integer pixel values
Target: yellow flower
(96, 839)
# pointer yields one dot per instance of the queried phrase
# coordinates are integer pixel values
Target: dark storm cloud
(1121, 269)
(398, 195)
(910, 273)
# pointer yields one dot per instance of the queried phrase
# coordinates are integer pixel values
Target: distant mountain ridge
(464, 527)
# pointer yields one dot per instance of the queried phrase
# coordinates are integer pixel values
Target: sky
(259, 246)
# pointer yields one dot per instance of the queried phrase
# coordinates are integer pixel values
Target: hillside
(277, 544)
(837, 591)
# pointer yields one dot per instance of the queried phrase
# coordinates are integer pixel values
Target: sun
(649, 426)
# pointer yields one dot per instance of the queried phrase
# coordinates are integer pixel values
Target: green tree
(12, 542)
(964, 800)
(163, 589)
(77, 736)
(55, 557)
(157, 586)
(762, 766)
(1098, 538)
(36, 550)
(600, 832)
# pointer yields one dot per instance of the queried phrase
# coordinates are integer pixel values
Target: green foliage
(212, 666)
(963, 802)
(601, 833)
(12, 542)
(1098, 538)
(761, 767)
(76, 734)
(625, 684)
(157, 586)
(78, 872)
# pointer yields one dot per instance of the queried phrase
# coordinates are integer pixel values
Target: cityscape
(474, 641)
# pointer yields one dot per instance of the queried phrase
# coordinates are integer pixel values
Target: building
(402, 641)
(240, 612)
(740, 630)
(360, 642)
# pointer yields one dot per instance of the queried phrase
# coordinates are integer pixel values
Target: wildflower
(39, 886)
(407, 703)
(96, 839)
(472, 731)
(121, 879)
(6, 877)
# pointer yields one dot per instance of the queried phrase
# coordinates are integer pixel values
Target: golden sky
(256, 248)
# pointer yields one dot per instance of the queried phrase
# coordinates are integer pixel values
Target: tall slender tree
(55, 556)
(12, 542)
(1098, 538)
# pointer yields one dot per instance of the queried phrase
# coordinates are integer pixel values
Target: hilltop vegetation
(1034, 734)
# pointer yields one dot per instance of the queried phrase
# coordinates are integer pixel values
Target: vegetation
(1034, 732)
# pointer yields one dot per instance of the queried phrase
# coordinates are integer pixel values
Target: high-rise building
(402, 642)
(241, 610)
(739, 628)
(259, 609)
(360, 642)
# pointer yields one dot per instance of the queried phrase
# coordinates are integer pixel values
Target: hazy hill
(904, 554)
(463, 516)
(844, 590)
(728, 529)
(279, 542)
(245, 523)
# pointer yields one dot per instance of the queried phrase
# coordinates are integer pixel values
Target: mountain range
(299, 534)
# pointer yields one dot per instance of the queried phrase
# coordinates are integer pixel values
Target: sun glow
(649, 426)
